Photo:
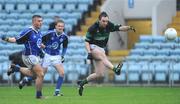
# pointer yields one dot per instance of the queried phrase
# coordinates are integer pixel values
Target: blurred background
(148, 58)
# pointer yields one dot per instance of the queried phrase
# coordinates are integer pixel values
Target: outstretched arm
(126, 28)
(9, 39)
(20, 39)
(119, 27)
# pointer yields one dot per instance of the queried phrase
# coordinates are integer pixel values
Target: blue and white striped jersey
(53, 41)
(32, 40)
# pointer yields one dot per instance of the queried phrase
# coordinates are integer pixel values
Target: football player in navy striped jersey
(53, 41)
(32, 40)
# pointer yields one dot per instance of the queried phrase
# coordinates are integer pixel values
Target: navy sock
(29, 79)
(84, 81)
(59, 83)
(38, 94)
(16, 68)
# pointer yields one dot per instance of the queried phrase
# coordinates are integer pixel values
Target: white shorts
(93, 46)
(30, 60)
(51, 60)
(95, 50)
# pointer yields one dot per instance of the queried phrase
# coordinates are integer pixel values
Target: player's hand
(4, 38)
(132, 28)
(42, 46)
(62, 59)
(41, 54)
(89, 56)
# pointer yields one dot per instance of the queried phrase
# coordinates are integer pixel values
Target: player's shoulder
(49, 32)
(33, 29)
(26, 30)
(65, 35)
(110, 23)
(113, 24)
(93, 27)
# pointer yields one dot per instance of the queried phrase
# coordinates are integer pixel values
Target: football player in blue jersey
(53, 40)
(32, 40)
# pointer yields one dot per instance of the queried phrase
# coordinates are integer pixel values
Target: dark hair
(59, 21)
(34, 16)
(103, 14)
(56, 17)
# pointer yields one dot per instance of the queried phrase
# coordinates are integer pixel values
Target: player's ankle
(114, 68)
(85, 81)
(16, 68)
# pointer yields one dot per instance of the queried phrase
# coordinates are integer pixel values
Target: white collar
(57, 33)
(32, 27)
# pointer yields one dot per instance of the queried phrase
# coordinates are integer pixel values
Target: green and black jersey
(98, 35)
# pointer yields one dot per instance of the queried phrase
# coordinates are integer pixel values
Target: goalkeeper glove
(62, 59)
(132, 28)
(4, 38)
(41, 54)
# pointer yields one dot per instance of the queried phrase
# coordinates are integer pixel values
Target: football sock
(27, 79)
(38, 94)
(84, 82)
(16, 68)
(59, 83)
(114, 68)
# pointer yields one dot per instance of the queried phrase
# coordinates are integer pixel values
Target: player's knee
(62, 74)
(103, 55)
(45, 70)
(100, 75)
(34, 77)
(60, 71)
(40, 75)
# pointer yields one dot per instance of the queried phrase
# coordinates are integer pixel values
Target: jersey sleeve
(113, 27)
(46, 37)
(23, 36)
(89, 35)
(65, 44)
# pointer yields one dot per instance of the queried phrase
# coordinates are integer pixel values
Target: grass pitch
(93, 95)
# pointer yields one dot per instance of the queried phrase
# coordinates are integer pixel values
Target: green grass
(93, 95)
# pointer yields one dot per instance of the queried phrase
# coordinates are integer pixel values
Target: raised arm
(127, 28)
(9, 39)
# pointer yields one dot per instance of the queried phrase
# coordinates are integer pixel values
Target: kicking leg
(99, 69)
(102, 56)
(108, 64)
(16, 68)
